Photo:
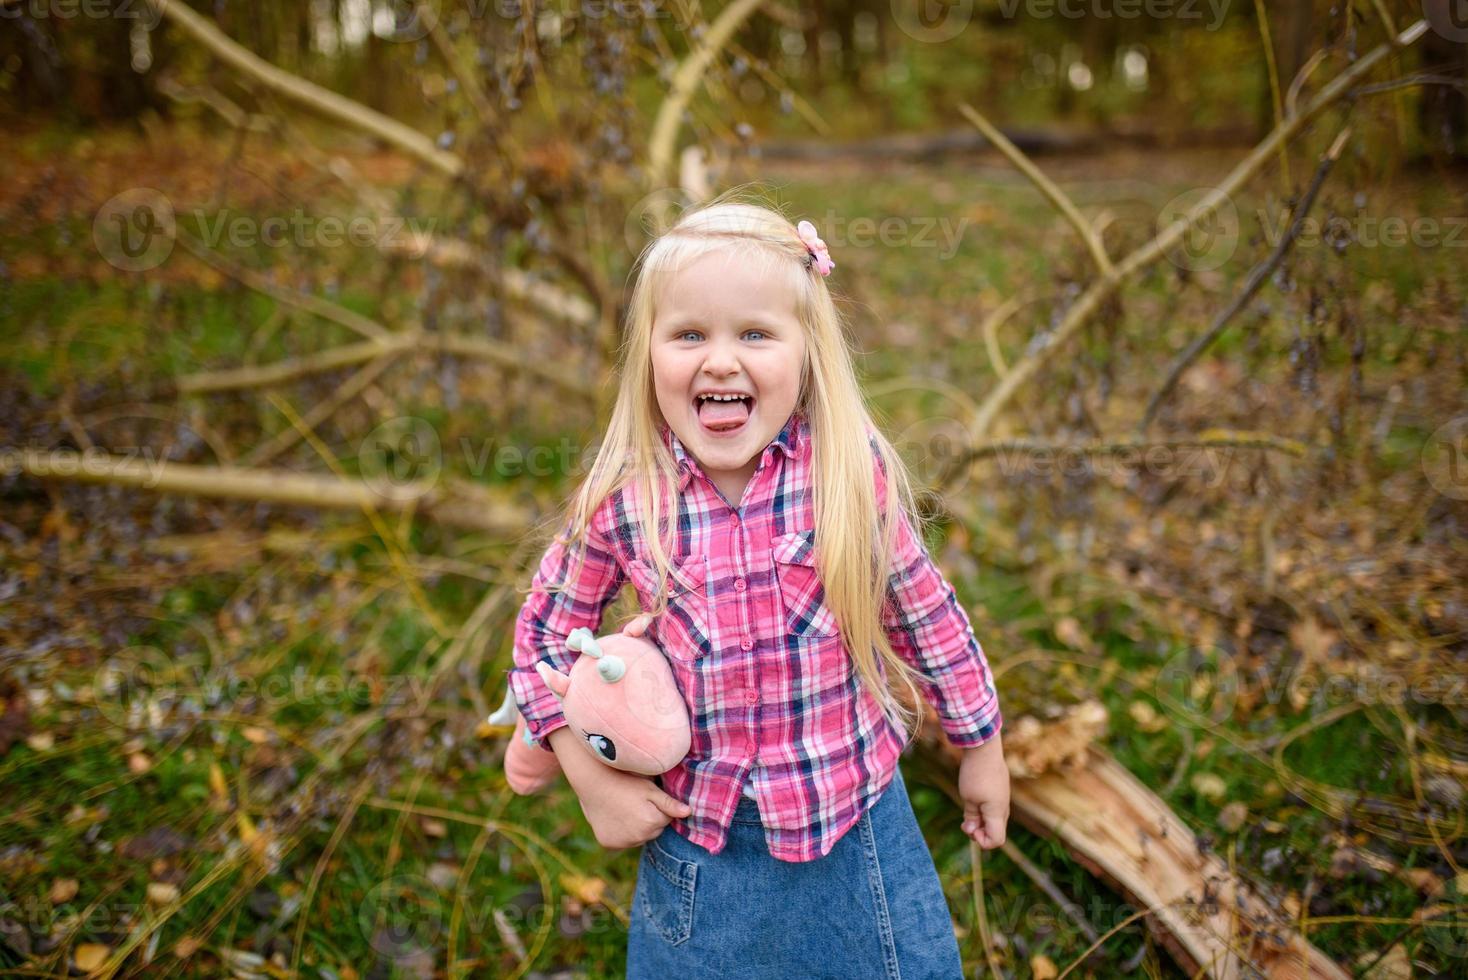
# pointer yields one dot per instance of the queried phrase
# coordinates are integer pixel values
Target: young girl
(769, 531)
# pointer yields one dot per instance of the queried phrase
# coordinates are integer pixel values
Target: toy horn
(609, 666)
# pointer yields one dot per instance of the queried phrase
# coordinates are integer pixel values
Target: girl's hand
(983, 785)
(623, 809)
(638, 626)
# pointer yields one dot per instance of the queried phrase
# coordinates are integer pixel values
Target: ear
(558, 682)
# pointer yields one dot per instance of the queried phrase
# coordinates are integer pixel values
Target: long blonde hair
(852, 539)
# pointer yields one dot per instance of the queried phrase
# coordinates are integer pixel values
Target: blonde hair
(852, 539)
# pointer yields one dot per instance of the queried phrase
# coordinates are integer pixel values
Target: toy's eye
(602, 746)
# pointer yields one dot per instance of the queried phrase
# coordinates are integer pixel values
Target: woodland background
(307, 311)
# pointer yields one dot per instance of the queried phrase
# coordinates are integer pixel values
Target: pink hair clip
(817, 248)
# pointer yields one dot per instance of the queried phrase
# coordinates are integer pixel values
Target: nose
(722, 360)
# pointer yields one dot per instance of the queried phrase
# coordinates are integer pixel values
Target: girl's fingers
(638, 626)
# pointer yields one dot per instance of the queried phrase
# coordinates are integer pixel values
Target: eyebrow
(691, 321)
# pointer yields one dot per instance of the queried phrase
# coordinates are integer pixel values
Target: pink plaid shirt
(772, 696)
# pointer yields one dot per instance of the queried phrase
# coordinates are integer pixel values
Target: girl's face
(726, 325)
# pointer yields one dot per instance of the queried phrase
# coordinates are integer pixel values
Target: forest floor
(257, 730)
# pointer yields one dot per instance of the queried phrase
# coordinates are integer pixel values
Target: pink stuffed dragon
(620, 699)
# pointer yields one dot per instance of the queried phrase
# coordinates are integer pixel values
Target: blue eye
(759, 332)
(688, 333)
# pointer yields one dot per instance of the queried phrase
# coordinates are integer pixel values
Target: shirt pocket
(685, 632)
(802, 596)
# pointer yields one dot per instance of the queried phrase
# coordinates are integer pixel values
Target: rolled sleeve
(547, 618)
(929, 629)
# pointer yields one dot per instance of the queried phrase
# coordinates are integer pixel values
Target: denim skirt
(872, 908)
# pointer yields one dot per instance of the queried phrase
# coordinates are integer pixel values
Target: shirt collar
(788, 440)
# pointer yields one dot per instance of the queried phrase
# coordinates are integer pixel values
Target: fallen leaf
(1233, 815)
(435, 828)
(162, 893)
(1209, 785)
(41, 741)
(1042, 967)
(89, 956)
(587, 889)
(186, 947)
(63, 890)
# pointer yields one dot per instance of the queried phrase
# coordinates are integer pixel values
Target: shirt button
(751, 697)
(739, 584)
(733, 520)
(746, 644)
(750, 747)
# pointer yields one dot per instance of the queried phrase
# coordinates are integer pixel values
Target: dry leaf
(138, 763)
(435, 828)
(255, 734)
(1146, 716)
(41, 741)
(63, 890)
(217, 784)
(587, 889)
(1232, 816)
(89, 956)
(162, 893)
(186, 947)
(1210, 786)
(1042, 967)
(1395, 965)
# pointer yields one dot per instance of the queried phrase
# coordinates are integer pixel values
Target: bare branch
(685, 82)
(325, 309)
(306, 94)
(479, 511)
(347, 355)
(1252, 285)
(1103, 289)
(1046, 187)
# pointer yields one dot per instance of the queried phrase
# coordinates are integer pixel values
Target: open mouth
(723, 414)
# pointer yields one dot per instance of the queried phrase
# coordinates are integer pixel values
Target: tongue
(723, 415)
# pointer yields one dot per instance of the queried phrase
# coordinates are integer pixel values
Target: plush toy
(621, 701)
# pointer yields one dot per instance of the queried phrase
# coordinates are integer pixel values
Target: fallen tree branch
(306, 94)
(325, 309)
(1252, 285)
(1046, 187)
(462, 508)
(1101, 290)
(347, 355)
